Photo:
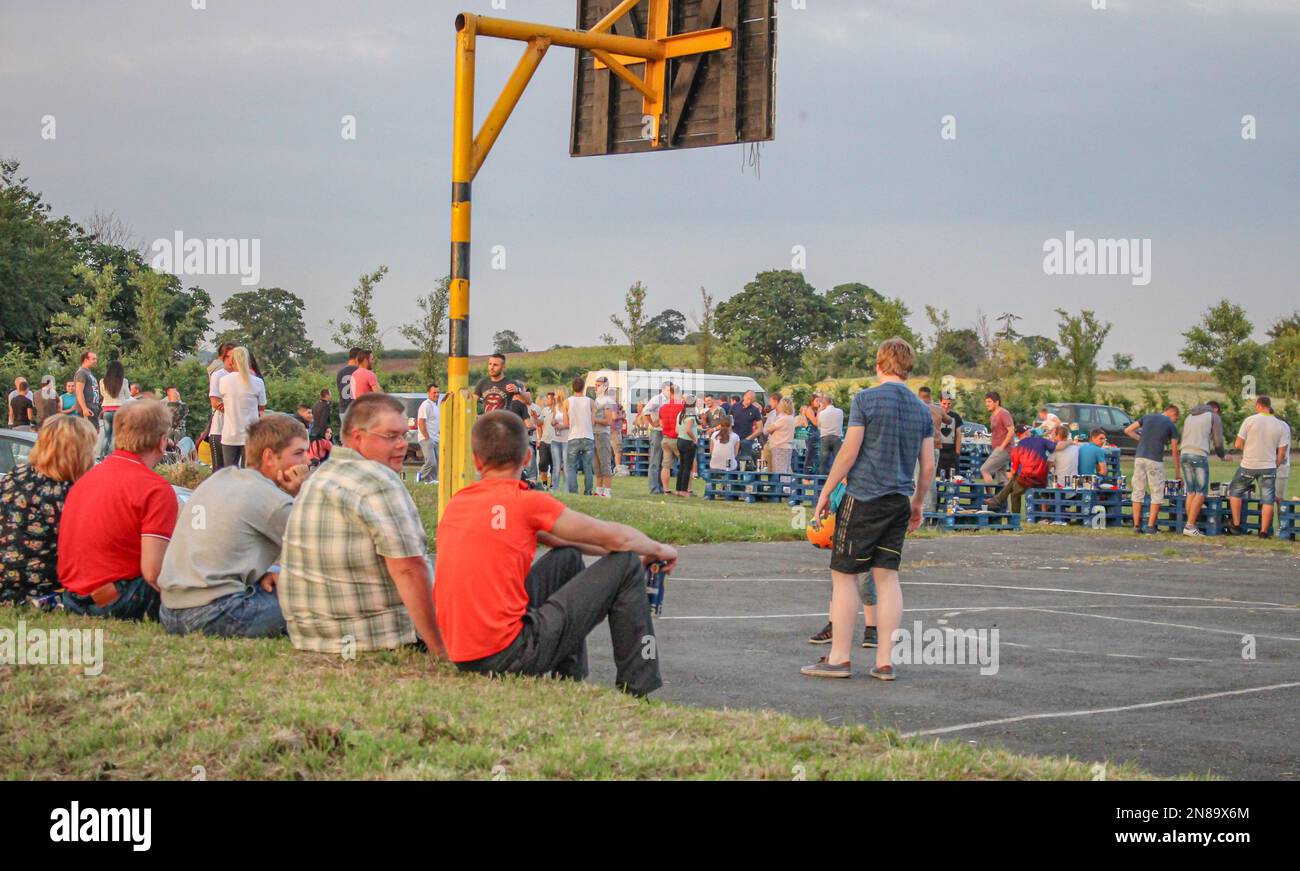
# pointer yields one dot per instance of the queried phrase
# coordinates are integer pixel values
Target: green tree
(778, 316)
(88, 323)
(1042, 351)
(940, 362)
(1222, 343)
(855, 308)
(507, 342)
(363, 330)
(635, 327)
(668, 327)
(426, 333)
(1081, 336)
(704, 338)
(156, 344)
(965, 347)
(891, 320)
(270, 320)
(1283, 364)
(37, 254)
(1121, 362)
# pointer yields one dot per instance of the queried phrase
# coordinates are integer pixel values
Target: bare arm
(550, 540)
(152, 551)
(844, 461)
(81, 399)
(411, 576)
(1132, 429)
(923, 480)
(578, 529)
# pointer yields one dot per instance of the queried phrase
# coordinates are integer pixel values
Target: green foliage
(507, 342)
(891, 320)
(704, 339)
(636, 327)
(1167, 368)
(1122, 362)
(1081, 336)
(269, 319)
(668, 327)
(363, 330)
(88, 322)
(854, 306)
(1222, 343)
(1042, 351)
(426, 333)
(777, 317)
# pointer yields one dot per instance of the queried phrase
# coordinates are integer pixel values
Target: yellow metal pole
(505, 104)
(456, 466)
(527, 30)
(614, 15)
(623, 73)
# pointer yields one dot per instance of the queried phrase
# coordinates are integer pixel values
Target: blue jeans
(582, 453)
(1244, 481)
(1196, 473)
(254, 613)
(429, 471)
(557, 463)
(106, 437)
(656, 460)
(830, 446)
(136, 600)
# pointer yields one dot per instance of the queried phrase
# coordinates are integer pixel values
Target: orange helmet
(821, 532)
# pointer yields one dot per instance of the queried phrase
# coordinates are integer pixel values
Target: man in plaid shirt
(354, 573)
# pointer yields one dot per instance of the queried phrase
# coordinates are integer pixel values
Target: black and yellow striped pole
(456, 464)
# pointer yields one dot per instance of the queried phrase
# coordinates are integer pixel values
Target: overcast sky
(1122, 122)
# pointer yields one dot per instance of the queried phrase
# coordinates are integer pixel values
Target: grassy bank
(180, 708)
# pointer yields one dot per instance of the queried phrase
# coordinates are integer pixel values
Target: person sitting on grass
(1028, 470)
(219, 574)
(510, 615)
(354, 571)
(117, 521)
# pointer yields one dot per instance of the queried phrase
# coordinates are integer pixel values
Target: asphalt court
(1177, 655)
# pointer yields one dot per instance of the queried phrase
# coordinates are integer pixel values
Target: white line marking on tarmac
(1235, 632)
(942, 730)
(826, 581)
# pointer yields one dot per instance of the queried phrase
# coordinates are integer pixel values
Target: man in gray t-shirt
(220, 571)
(86, 387)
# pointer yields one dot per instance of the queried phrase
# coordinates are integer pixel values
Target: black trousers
(565, 602)
(218, 458)
(686, 450)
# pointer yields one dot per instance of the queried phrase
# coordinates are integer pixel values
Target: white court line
(1170, 625)
(973, 609)
(1002, 587)
(1087, 713)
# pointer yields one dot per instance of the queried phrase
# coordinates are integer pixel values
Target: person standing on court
(428, 419)
(650, 419)
(1264, 442)
(496, 391)
(890, 432)
(581, 412)
(364, 379)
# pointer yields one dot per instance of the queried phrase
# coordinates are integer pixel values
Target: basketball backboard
(714, 98)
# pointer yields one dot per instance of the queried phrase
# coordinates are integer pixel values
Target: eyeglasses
(386, 436)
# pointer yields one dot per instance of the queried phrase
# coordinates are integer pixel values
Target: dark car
(1087, 417)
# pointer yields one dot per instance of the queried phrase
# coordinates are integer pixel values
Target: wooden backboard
(716, 98)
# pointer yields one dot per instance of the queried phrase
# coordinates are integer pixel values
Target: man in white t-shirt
(428, 419)
(582, 438)
(1263, 441)
(1065, 459)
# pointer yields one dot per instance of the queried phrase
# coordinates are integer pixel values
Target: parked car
(974, 432)
(16, 445)
(411, 404)
(1087, 417)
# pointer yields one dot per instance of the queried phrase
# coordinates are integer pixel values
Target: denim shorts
(1243, 482)
(1196, 473)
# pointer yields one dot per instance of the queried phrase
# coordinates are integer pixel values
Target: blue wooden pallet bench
(772, 486)
(1215, 516)
(1172, 516)
(1288, 520)
(804, 489)
(969, 494)
(998, 521)
(728, 486)
(1075, 505)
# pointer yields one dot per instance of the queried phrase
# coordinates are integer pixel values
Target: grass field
(187, 708)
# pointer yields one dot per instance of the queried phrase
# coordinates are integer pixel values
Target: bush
(188, 475)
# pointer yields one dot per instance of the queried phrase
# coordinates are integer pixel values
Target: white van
(634, 386)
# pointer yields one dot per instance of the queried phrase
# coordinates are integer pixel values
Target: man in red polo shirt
(117, 521)
(500, 613)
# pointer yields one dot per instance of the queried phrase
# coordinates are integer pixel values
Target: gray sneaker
(822, 668)
(1192, 531)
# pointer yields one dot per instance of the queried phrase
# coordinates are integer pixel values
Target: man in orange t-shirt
(501, 613)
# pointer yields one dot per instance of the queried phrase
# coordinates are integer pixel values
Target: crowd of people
(334, 555)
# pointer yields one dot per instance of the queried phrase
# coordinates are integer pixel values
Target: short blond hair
(65, 447)
(786, 406)
(274, 431)
(139, 426)
(895, 357)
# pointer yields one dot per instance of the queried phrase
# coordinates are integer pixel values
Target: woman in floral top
(31, 502)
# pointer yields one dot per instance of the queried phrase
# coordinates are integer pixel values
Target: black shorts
(869, 534)
(544, 457)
